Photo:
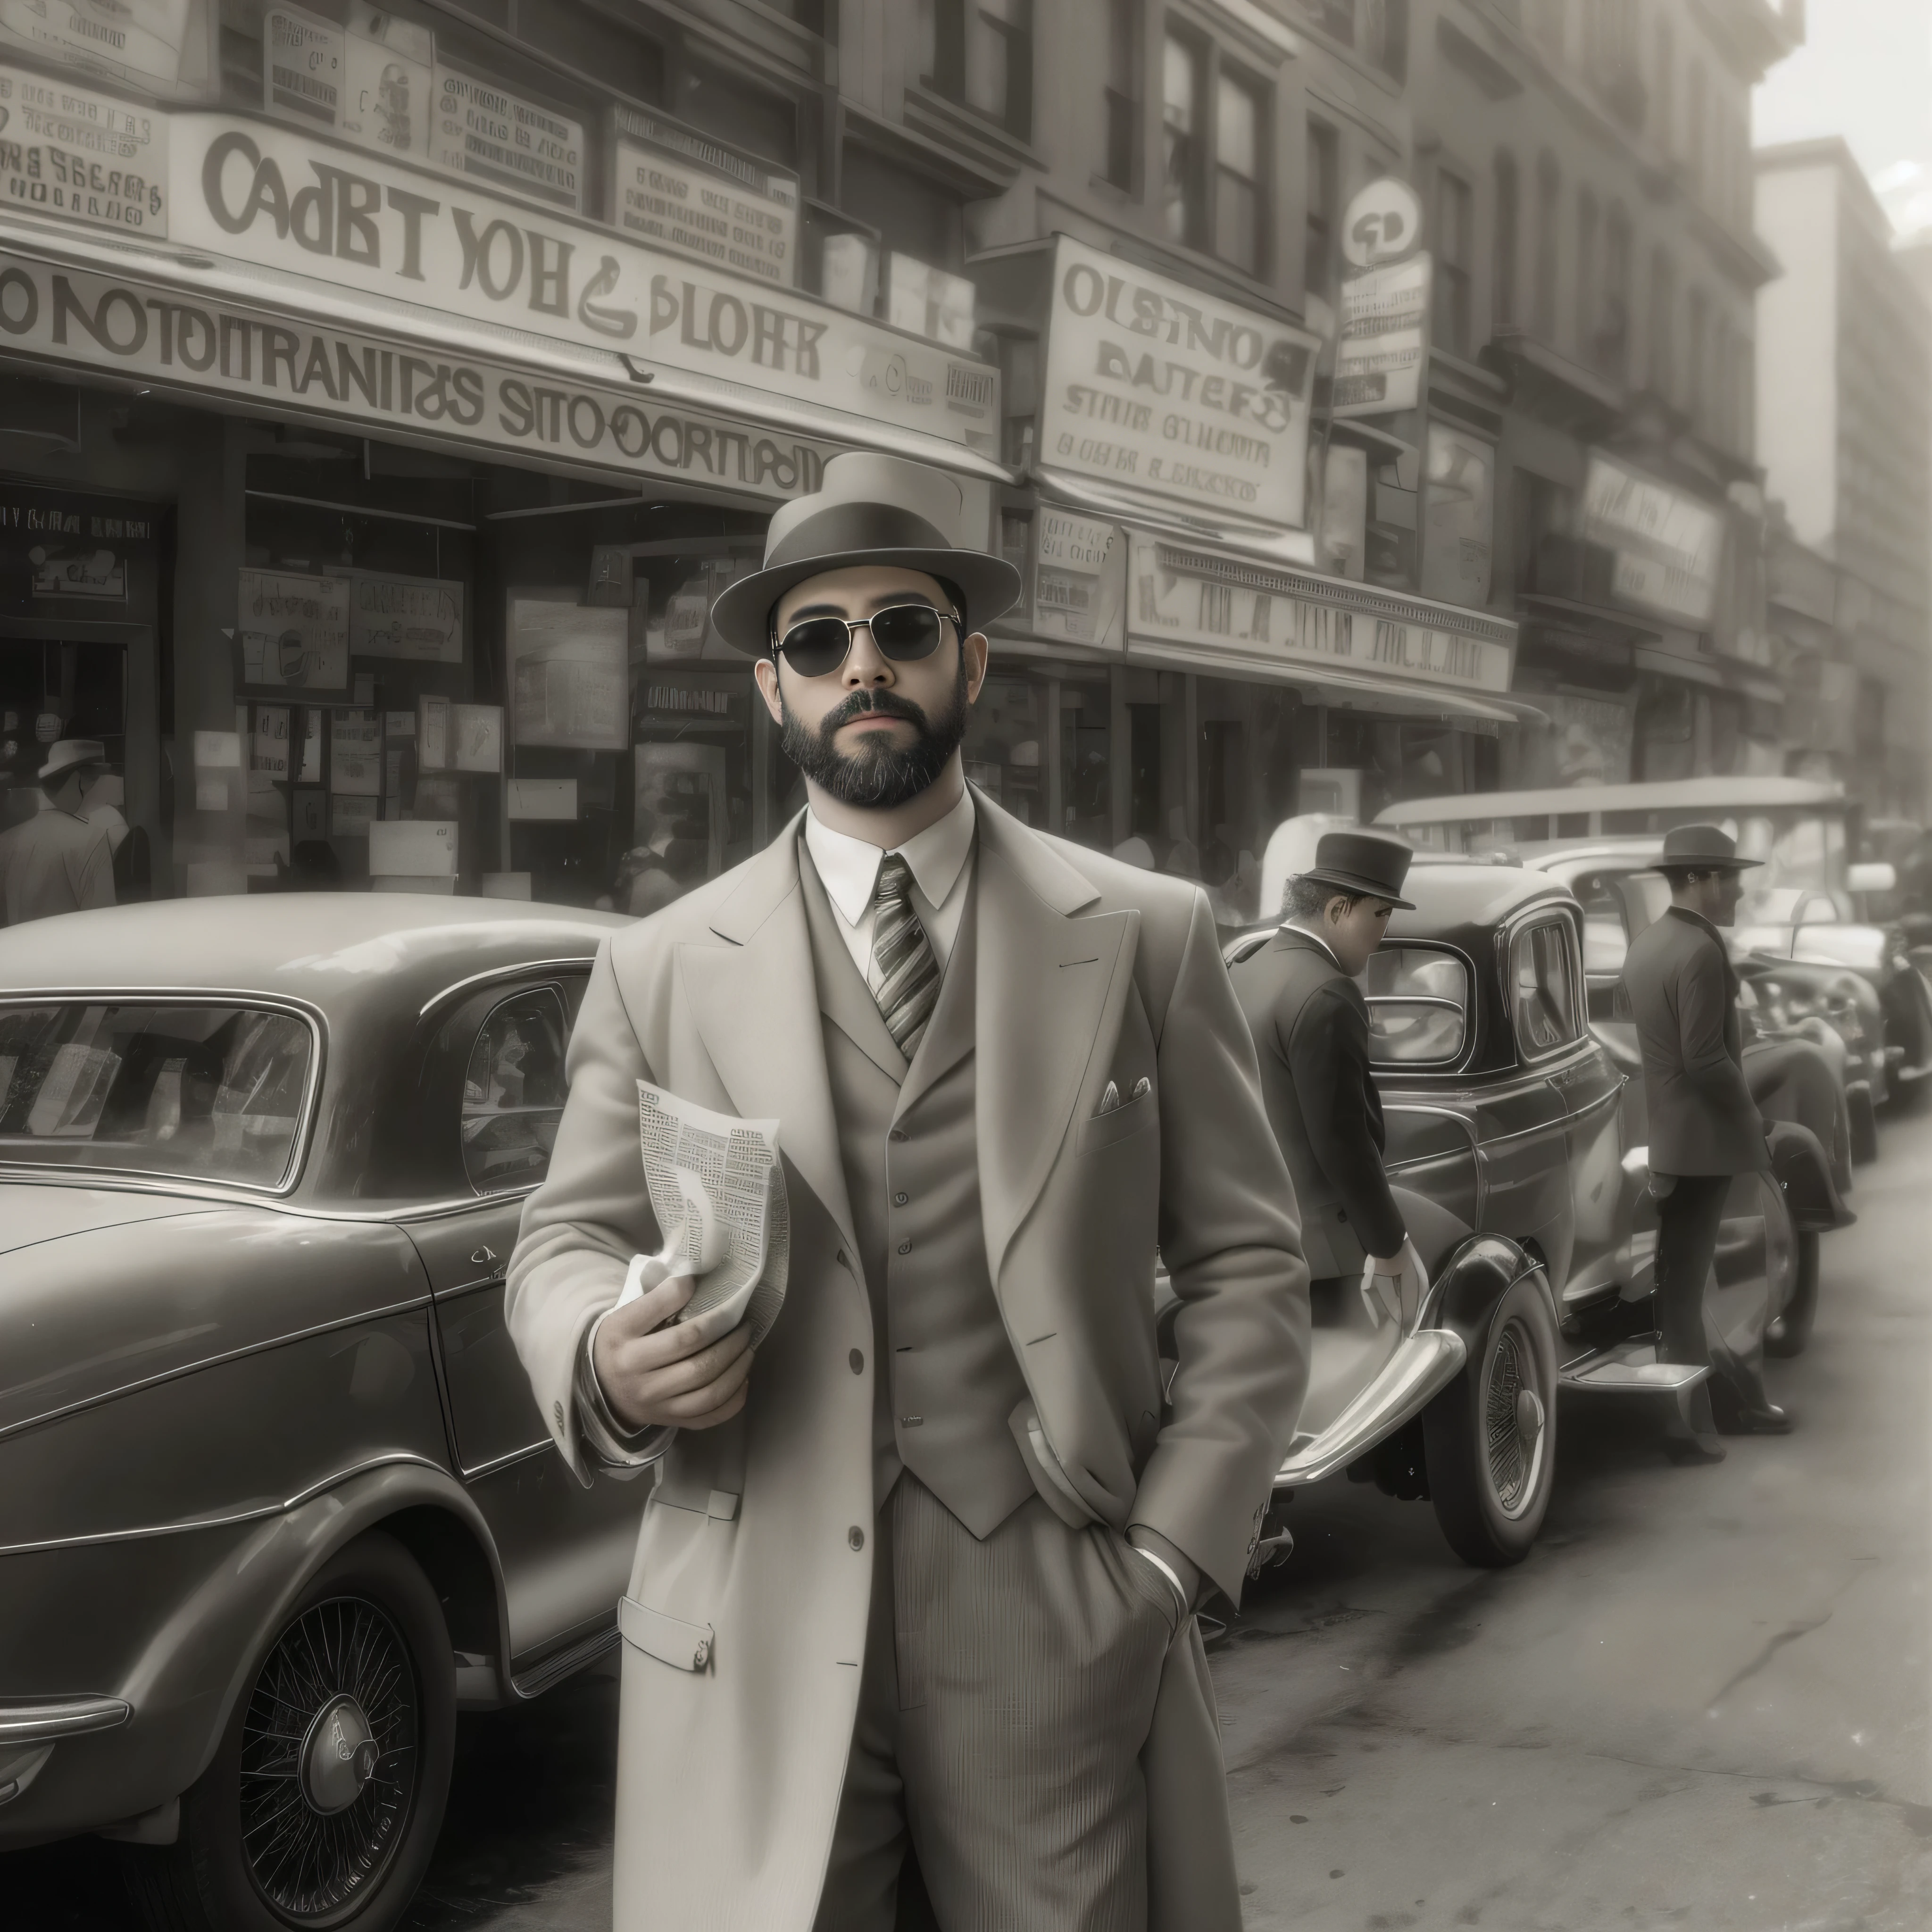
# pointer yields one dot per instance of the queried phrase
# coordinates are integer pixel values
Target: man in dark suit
(1704, 1128)
(1311, 1029)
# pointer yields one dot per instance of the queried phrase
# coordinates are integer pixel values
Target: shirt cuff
(624, 1453)
(1168, 1561)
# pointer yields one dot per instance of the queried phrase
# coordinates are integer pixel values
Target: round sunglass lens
(816, 647)
(907, 631)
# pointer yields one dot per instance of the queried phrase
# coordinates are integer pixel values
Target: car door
(496, 1084)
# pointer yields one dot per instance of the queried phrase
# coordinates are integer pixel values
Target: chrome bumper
(1424, 1364)
(67, 1718)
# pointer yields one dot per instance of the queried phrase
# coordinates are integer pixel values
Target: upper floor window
(1612, 347)
(1509, 217)
(1455, 254)
(1122, 93)
(979, 53)
(1182, 110)
(1240, 141)
(1324, 193)
(1549, 223)
(1215, 126)
(1385, 36)
(1663, 329)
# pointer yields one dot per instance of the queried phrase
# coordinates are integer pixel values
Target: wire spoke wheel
(1510, 1448)
(329, 1760)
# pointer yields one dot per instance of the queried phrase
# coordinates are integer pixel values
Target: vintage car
(1812, 1032)
(1516, 1141)
(1805, 906)
(275, 1501)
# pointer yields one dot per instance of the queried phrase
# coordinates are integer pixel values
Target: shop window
(1122, 95)
(1385, 36)
(1455, 255)
(1086, 766)
(749, 117)
(910, 215)
(979, 53)
(1324, 193)
(1005, 747)
(1143, 736)
(513, 1092)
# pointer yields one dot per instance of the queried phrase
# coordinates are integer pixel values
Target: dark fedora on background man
(1704, 1127)
(923, 1579)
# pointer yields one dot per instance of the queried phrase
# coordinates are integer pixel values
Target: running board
(565, 1662)
(1631, 1368)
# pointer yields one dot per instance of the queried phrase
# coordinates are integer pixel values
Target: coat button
(900, 1200)
(856, 1536)
(857, 1359)
(905, 1247)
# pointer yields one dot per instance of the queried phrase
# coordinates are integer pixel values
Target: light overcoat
(746, 1618)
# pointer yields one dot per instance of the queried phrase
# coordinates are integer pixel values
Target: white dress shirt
(940, 858)
(1289, 925)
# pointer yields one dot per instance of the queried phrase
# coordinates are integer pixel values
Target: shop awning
(1717, 674)
(1097, 499)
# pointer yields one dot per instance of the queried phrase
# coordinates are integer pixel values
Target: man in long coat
(922, 1577)
(1704, 1126)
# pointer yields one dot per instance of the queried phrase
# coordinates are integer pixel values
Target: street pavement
(1702, 1702)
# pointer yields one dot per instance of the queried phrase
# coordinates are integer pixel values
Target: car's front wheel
(322, 1804)
(1491, 1434)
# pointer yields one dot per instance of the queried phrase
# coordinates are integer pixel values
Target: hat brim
(742, 615)
(50, 771)
(1710, 864)
(1353, 882)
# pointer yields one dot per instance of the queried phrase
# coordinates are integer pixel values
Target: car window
(1607, 934)
(513, 1091)
(1418, 1005)
(213, 1092)
(1542, 988)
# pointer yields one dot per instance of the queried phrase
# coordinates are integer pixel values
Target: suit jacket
(747, 1608)
(1311, 1029)
(1684, 992)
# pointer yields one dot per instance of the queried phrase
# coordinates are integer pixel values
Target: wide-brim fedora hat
(1365, 863)
(69, 754)
(868, 509)
(1702, 848)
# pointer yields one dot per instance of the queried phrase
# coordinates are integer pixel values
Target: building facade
(1845, 398)
(1362, 386)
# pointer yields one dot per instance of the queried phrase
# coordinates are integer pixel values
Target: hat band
(854, 526)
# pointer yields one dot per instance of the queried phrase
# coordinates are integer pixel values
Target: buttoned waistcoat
(751, 1580)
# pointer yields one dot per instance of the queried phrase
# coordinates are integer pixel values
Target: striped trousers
(1008, 1687)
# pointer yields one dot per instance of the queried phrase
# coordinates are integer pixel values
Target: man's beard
(880, 775)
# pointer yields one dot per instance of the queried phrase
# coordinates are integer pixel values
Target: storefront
(370, 495)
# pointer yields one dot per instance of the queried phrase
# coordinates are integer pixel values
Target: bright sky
(1864, 72)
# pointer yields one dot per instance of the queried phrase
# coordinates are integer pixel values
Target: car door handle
(483, 1257)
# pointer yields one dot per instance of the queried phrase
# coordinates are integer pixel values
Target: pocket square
(1109, 1100)
(1143, 1087)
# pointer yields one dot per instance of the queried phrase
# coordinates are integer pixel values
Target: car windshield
(211, 1092)
(1418, 1005)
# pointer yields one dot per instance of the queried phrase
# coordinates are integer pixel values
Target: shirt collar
(1696, 919)
(849, 867)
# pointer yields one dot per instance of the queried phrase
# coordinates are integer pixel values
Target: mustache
(871, 704)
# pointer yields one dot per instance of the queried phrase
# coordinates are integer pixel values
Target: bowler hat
(868, 509)
(1363, 862)
(1702, 848)
(69, 754)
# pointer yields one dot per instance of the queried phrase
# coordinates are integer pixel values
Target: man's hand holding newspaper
(676, 1349)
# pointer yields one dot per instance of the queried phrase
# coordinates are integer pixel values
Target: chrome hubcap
(338, 1757)
(1513, 1421)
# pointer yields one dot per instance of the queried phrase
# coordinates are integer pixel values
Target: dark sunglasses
(904, 633)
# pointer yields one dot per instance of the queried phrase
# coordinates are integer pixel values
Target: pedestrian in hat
(1310, 1025)
(59, 860)
(916, 1590)
(1704, 1128)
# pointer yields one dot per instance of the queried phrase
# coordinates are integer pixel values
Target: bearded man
(921, 1579)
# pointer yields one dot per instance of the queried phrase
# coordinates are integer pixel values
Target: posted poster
(569, 675)
(301, 68)
(416, 617)
(271, 740)
(294, 634)
(480, 129)
(388, 82)
(355, 754)
(1079, 578)
(164, 47)
(82, 155)
(476, 733)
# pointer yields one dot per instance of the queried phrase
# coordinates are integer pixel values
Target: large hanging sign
(161, 47)
(1384, 344)
(272, 196)
(1225, 605)
(83, 156)
(136, 330)
(1669, 547)
(1155, 388)
(674, 185)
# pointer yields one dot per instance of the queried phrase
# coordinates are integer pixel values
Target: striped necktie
(904, 978)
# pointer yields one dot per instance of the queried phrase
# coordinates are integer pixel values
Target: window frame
(954, 26)
(1456, 273)
(1230, 74)
(1519, 928)
(1471, 1009)
(556, 990)
(1126, 35)
(1213, 63)
(1321, 218)
(163, 1180)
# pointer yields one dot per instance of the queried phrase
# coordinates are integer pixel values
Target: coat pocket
(1103, 1130)
(669, 1639)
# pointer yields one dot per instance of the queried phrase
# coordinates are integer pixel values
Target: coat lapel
(1045, 983)
(754, 1001)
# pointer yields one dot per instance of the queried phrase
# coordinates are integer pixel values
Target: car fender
(1476, 1276)
(1804, 1172)
(202, 1658)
